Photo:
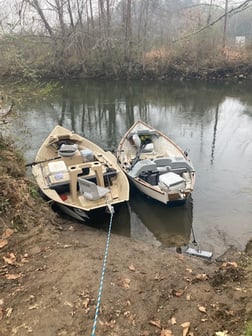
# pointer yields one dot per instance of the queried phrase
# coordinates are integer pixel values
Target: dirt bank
(50, 271)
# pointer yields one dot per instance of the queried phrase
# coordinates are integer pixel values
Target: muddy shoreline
(50, 272)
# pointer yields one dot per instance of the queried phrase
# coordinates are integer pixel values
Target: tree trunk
(60, 13)
(91, 14)
(128, 35)
(36, 5)
(69, 8)
(225, 26)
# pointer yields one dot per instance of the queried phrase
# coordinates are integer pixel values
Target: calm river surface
(213, 122)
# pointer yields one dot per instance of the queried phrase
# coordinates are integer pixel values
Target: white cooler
(58, 173)
(171, 181)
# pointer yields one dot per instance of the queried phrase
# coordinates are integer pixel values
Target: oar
(38, 162)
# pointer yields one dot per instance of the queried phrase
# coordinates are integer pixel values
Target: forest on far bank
(126, 39)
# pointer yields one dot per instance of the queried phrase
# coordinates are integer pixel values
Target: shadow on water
(147, 220)
(159, 224)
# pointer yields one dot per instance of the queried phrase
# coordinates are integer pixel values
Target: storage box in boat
(150, 176)
(58, 173)
(87, 155)
(171, 181)
(57, 167)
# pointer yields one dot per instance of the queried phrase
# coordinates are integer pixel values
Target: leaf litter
(166, 290)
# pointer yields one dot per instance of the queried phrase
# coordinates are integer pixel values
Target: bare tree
(233, 10)
(210, 12)
(225, 25)
(69, 8)
(142, 29)
(36, 5)
(91, 13)
(127, 22)
(110, 35)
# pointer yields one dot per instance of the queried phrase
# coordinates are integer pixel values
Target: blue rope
(103, 273)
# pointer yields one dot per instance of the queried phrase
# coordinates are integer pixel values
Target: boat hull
(174, 198)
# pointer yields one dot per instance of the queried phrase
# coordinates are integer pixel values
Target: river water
(213, 122)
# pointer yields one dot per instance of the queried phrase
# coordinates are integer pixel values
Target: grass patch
(248, 329)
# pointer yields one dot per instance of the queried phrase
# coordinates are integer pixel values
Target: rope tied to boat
(111, 210)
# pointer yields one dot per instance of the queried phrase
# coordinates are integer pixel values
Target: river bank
(51, 268)
(230, 73)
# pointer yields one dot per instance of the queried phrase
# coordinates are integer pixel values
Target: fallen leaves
(173, 321)
(229, 264)
(221, 333)
(34, 306)
(178, 292)
(1, 309)
(156, 324)
(5, 235)
(69, 304)
(3, 243)
(85, 302)
(185, 326)
(188, 297)
(10, 259)
(125, 283)
(67, 246)
(111, 324)
(166, 332)
(158, 277)
(202, 309)
(13, 276)
(132, 268)
(201, 276)
(8, 312)
(15, 330)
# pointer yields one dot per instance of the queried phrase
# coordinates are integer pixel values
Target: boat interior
(78, 171)
(149, 161)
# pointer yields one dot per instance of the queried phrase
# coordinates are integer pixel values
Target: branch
(232, 11)
(36, 5)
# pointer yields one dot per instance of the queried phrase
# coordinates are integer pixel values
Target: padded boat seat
(143, 132)
(163, 161)
(179, 165)
(90, 190)
(173, 164)
(142, 166)
(67, 150)
(163, 164)
(146, 146)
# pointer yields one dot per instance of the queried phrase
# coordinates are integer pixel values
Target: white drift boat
(78, 175)
(155, 165)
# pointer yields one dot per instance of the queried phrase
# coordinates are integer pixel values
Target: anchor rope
(103, 272)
